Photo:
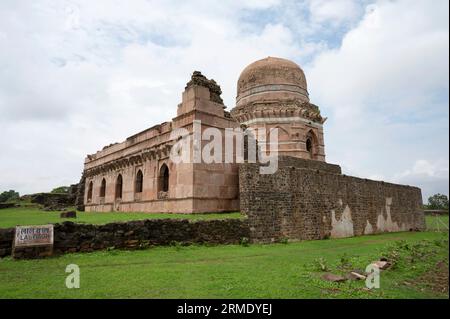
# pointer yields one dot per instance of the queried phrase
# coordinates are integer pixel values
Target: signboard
(27, 236)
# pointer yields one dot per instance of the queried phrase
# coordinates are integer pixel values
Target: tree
(61, 190)
(8, 196)
(438, 201)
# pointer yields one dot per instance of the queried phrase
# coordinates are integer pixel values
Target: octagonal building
(273, 93)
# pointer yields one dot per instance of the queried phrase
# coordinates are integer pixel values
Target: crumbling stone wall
(305, 201)
(7, 205)
(79, 198)
(53, 201)
(72, 237)
(6, 240)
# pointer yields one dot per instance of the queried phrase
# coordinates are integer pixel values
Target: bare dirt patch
(436, 279)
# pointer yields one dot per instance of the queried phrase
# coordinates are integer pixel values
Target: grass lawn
(12, 217)
(232, 271)
(437, 222)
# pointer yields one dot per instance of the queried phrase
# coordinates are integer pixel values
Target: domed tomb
(272, 94)
(271, 79)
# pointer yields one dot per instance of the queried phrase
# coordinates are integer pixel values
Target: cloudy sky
(77, 75)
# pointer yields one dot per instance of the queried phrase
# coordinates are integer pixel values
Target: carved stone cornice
(153, 153)
(292, 108)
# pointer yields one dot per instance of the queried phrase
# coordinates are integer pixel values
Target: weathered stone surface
(355, 276)
(199, 79)
(6, 240)
(72, 237)
(382, 265)
(79, 198)
(333, 278)
(32, 242)
(306, 201)
(7, 205)
(51, 201)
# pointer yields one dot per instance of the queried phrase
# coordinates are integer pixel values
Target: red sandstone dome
(271, 79)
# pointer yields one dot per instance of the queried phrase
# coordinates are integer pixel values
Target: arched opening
(89, 194)
(103, 188)
(139, 182)
(119, 183)
(164, 178)
(311, 144)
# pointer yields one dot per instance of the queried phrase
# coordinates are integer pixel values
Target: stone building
(306, 198)
(272, 93)
(138, 175)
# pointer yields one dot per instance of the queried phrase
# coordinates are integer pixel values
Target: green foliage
(176, 244)
(61, 190)
(438, 201)
(345, 261)
(225, 271)
(11, 217)
(406, 254)
(320, 264)
(10, 195)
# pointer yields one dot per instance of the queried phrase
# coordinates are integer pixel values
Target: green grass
(233, 271)
(12, 217)
(437, 222)
(257, 271)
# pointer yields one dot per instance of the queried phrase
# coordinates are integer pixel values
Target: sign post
(33, 242)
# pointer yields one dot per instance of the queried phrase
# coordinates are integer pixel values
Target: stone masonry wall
(71, 237)
(303, 201)
(6, 240)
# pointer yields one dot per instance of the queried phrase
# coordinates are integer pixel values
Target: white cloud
(334, 12)
(432, 175)
(78, 75)
(385, 90)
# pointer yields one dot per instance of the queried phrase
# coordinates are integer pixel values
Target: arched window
(164, 178)
(103, 188)
(119, 187)
(89, 194)
(139, 181)
(311, 144)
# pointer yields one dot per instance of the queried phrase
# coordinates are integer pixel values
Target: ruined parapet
(53, 201)
(215, 91)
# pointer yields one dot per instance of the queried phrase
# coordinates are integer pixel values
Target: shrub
(320, 264)
(438, 201)
(61, 190)
(9, 196)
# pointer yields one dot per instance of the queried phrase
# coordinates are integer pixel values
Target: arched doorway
(139, 182)
(103, 188)
(119, 184)
(311, 144)
(164, 178)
